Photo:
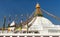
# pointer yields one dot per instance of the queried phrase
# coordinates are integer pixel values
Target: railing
(27, 35)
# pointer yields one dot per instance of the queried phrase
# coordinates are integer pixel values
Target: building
(38, 26)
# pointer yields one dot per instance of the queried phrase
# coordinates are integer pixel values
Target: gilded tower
(38, 11)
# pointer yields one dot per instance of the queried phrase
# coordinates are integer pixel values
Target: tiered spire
(38, 11)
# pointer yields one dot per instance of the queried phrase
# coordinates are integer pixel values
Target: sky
(18, 7)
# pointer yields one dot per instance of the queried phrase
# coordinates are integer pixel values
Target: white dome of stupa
(39, 23)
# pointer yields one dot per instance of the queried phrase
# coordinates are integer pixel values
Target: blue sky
(18, 7)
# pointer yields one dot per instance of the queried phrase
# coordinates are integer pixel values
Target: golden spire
(38, 11)
(37, 5)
